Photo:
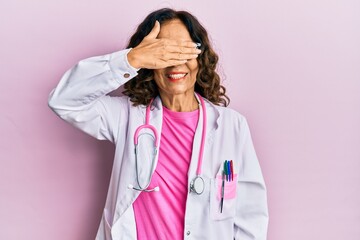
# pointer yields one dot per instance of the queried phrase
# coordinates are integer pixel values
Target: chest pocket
(229, 204)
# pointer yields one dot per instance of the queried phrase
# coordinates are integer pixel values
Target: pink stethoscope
(197, 185)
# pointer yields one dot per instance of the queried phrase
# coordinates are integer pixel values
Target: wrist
(132, 59)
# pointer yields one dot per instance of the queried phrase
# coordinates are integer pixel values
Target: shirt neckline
(181, 115)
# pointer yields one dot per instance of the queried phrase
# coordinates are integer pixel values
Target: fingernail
(198, 45)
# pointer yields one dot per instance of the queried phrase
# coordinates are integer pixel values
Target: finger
(154, 31)
(179, 49)
(180, 56)
(188, 44)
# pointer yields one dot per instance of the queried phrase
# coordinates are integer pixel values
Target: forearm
(90, 79)
(80, 99)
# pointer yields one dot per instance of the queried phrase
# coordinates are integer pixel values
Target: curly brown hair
(142, 88)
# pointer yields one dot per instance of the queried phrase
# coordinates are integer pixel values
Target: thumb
(154, 31)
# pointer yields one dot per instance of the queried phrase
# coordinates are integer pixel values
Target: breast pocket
(229, 205)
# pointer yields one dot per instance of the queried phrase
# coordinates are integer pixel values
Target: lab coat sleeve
(251, 219)
(80, 96)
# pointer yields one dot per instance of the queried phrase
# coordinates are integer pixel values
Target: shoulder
(232, 122)
(230, 115)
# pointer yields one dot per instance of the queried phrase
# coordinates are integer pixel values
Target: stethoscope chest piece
(197, 185)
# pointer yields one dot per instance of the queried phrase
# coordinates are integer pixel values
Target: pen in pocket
(222, 191)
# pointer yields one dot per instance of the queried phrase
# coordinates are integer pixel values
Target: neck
(180, 103)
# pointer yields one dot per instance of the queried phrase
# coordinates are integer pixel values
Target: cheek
(193, 66)
(158, 75)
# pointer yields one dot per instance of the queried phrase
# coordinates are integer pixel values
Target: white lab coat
(80, 99)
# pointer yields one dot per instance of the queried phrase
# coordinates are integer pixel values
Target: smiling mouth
(176, 76)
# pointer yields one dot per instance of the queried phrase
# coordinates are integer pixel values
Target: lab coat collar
(213, 113)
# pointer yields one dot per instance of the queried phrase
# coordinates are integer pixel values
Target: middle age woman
(204, 180)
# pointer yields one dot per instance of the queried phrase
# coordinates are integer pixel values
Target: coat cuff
(120, 66)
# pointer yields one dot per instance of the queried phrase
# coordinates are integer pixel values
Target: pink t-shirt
(160, 215)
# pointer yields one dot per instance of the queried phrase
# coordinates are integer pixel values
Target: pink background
(292, 68)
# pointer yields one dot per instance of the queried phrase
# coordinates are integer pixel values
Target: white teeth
(176, 76)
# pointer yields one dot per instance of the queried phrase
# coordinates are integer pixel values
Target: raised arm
(80, 96)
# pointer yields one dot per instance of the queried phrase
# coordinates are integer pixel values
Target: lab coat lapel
(212, 120)
(156, 119)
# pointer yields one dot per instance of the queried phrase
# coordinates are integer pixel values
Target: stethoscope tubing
(203, 136)
(194, 186)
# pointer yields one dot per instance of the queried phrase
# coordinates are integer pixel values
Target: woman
(203, 180)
